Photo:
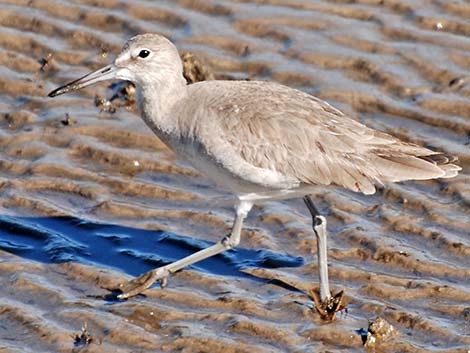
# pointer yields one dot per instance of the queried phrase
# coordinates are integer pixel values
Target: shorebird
(261, 141)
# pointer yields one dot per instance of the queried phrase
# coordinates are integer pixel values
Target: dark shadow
(130, 250)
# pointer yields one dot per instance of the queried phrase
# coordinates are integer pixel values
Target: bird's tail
(415, 167)
(444, 162)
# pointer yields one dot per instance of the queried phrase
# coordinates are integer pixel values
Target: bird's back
(277, 137)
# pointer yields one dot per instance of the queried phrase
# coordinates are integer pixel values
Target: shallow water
(90, 198)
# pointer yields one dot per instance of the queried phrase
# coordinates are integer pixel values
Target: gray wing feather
(281, 129)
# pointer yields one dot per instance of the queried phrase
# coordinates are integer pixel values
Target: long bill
(105, 73)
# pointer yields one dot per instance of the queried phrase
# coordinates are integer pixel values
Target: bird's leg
(319, 227)
(326, 305)
(141, 283)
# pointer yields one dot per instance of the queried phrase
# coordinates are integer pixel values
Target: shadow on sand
(130, 250)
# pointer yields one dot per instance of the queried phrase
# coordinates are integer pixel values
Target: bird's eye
(144, 53)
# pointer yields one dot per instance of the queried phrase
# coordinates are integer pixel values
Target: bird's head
(146, 59)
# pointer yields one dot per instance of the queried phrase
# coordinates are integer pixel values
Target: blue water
(130, 250)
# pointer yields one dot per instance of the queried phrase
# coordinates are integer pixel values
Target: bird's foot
(328, 307)
(141, 283)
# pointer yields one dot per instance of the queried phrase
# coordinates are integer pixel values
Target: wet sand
(89, 197)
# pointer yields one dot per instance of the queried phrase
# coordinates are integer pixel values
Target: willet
(260, 140)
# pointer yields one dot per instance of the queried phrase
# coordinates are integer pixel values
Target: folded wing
(303, 138)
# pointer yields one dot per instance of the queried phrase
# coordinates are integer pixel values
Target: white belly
(244, 189)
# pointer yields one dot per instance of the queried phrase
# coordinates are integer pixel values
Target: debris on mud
(194, 70)
(123, 96)
(84, 337)
(47, 63)
(379, 331)
(68, 120)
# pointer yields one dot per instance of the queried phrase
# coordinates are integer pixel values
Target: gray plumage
(263, 137)
(250, 127)
(261, 140)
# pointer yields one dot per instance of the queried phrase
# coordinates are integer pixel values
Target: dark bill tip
(56, 92)
(102, 74)
(72, 86)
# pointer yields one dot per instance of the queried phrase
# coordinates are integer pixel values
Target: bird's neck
(158, 100)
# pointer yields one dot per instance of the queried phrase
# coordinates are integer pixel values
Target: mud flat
(89, 197)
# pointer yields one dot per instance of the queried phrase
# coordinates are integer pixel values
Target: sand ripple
(89, 197)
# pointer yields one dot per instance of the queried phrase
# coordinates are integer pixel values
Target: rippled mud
(90, 198)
